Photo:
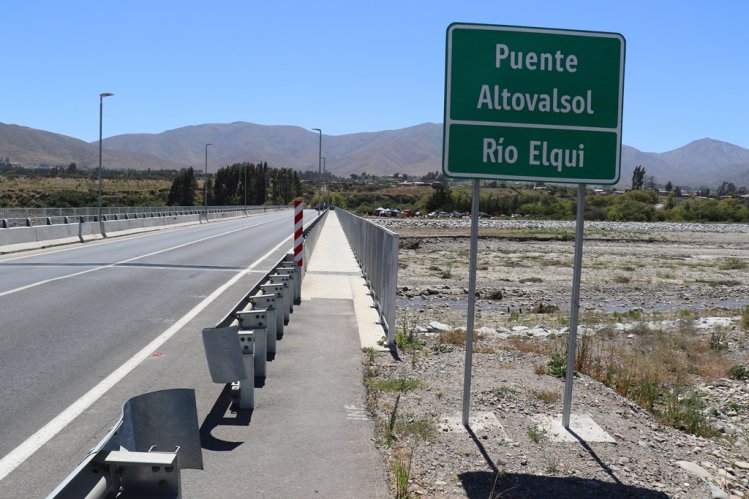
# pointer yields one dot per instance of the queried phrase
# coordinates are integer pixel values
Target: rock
(717, 493)
(540, 332)
(741, 464)
(544, 308)
(435, 326)
(694, 469)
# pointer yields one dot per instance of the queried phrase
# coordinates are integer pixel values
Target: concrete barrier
(43, 232)
(31, 237)
(43, 236)
(127, 226)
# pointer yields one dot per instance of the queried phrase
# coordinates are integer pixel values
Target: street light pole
(319, 160)
(325, 185)
(205, 184)
(101, 120)
(245, 188)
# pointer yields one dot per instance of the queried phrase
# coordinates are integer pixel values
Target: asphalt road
(70, 316)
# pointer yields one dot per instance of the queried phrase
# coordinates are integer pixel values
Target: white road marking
(109, 266)
(354, 413)
(17, 456)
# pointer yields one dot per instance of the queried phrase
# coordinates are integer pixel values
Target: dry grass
(654, 365)
(527, 345)
(458, 337)
(547, 396)
(541, 369)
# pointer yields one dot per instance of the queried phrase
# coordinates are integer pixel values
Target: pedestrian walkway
(309, 434)
(333, 273)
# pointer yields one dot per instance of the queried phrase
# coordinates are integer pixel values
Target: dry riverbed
(660, 299)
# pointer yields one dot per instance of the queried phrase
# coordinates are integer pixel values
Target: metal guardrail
(311, 233)
(376, 249)
(31, 217)
(236, 348)
(143, 453)
(158, 434)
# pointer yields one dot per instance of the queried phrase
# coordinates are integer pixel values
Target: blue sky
(345, 66)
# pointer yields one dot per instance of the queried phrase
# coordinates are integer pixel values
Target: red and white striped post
(298, 232)
(298, 248)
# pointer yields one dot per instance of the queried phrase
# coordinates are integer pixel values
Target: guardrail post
(269, 304)
(247, 386)
(256, 321)
(288, 261)
(277, 291)
(291, 272)
(282, 278)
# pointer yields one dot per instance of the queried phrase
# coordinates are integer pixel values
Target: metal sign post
(536, 105)
(574, 305)
(471, 301)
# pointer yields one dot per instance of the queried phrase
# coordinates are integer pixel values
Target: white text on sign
(497, 98)
(539, 154)
(502, 99)
(546, 61)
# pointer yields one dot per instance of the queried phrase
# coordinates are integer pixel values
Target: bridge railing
(376, 250)
(31, 217)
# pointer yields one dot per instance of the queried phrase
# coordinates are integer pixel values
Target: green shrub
(558, 365)
(738, 372)
(684, 411)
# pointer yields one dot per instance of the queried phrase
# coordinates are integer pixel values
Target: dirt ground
(635, 277)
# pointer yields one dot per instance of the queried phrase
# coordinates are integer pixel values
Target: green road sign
(533, 104)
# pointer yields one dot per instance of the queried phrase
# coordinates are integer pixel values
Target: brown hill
(414, 150)
(30, 147)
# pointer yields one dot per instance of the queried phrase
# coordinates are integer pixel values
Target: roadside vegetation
(658, 368)
(400, 432)
(70, 186)
(550, 202)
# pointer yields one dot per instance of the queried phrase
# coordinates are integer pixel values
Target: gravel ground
(672, 276)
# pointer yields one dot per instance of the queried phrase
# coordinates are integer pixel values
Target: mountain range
(414, 150)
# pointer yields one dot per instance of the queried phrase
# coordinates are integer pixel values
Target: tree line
(72, 170)
(237, 184)
(553, 202)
